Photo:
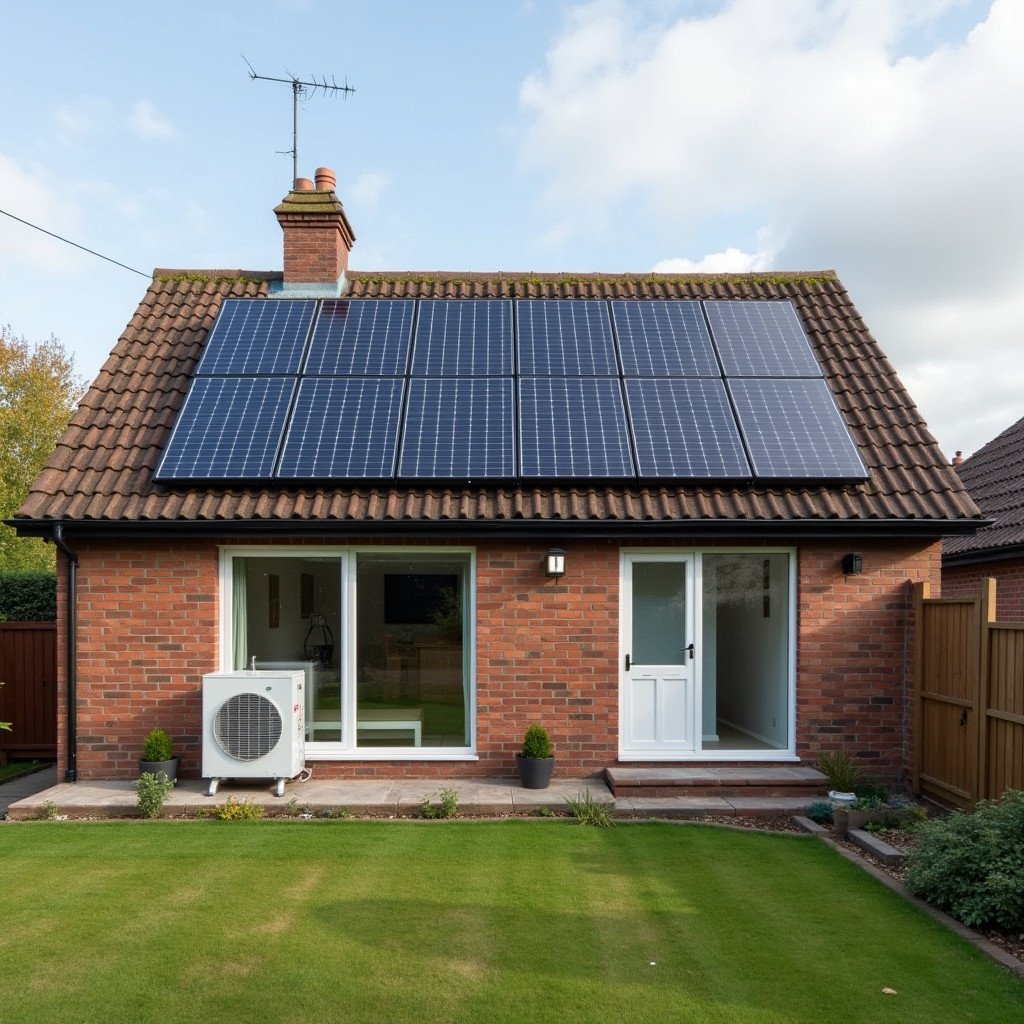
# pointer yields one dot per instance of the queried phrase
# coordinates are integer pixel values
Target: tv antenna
(300, 88)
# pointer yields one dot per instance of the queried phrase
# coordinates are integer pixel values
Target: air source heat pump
(253, 726)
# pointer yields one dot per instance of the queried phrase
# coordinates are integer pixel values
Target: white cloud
(83, 118)
(366, 191)
(731, 261)
(148, 123)
(801, 119)
(30, 195)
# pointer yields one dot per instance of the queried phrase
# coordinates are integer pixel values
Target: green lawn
(518, 921)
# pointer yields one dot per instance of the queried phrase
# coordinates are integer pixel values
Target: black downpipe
(71, 772)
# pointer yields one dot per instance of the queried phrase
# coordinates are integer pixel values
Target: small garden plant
(152, 790)
(588, 811)
(232, 810)
(537, 743)
(447, 808)
(972, 865)
(841, 774)
(158, 747)
(820, 811)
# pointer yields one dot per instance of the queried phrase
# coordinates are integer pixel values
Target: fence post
(921, 592)
(982, 695)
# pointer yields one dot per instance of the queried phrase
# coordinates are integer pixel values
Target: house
(466, 503)
(994, 477)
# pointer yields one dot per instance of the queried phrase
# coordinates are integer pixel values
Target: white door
(658, 699)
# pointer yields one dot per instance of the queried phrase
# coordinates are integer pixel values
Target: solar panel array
(453, 389)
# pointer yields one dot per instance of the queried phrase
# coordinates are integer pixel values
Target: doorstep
(387, 798)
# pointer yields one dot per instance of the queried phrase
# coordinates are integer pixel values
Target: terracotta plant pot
(535, 772)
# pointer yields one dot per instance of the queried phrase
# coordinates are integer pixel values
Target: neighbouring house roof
(101, 473)
(994, 477)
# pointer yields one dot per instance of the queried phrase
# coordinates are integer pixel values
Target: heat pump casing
(254, 725)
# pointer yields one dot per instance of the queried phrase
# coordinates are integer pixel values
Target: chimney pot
(325, 179)
(303, 185)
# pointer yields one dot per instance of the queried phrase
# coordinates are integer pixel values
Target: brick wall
(966, 580)
(546, 651)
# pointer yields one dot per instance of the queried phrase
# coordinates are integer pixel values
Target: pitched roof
(994, 476)
(101, 471)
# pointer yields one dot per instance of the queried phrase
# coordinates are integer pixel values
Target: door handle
(689, 650)
(627, 663)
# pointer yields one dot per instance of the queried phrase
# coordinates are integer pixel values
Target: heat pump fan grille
(247, 726)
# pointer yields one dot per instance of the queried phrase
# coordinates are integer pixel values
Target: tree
(38, 393)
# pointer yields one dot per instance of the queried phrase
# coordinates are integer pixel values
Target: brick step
(716, 781)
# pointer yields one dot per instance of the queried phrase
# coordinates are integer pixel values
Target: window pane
(411, 678)
(659, 613)
(287, 614)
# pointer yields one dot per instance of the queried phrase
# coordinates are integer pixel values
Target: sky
(879, 138)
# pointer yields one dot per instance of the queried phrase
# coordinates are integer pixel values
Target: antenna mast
(300, 88)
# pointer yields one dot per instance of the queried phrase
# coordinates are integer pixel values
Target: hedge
(27, 596)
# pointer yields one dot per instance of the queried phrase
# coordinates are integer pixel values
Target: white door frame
(696, 577)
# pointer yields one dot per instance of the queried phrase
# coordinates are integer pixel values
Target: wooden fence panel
(969, 699)
(28, 698)
(1004, 716)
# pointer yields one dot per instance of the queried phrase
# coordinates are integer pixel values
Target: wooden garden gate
(28, 694)
(969, 698)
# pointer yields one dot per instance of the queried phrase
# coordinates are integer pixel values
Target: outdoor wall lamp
(853, 564)
(554, 563)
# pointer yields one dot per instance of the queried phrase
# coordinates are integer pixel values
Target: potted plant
(158, 755)
(536, 760)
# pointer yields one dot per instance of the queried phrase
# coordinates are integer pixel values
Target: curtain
(239, 615)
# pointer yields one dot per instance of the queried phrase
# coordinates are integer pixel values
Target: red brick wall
(313, 252)
(966, 580)
(546, 651)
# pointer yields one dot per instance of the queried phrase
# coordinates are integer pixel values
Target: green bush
(972, 865)
(28, 596)
(537, 743)
(152, 789)
(232, 810)
(871, 790)
(158, 747)
(820, 811)
(447, 808)
(587, 811)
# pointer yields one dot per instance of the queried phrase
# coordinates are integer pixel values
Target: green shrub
(867, 803)
(28, 596)
(820, 811)
(868, 789)
(972, 865)
(158, 747)
(587, 811)
(334, 812)
(232, 810)
(537, 743)
(447, 808)
(839, 771)
(152, 789)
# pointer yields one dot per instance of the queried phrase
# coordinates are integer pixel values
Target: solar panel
(361, 338)
(573, 427)
(664, 339)
(471, 337)
(459, 428)
(761, 339)
(229, 428)
(561, 338)
(685, 429)
(794, 429)
(343, 427)
(257, 336)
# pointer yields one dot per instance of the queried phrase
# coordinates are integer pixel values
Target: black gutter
(57, 536)
(979, 556)
(516, 528)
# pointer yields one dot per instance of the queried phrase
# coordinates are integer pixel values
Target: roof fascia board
(791, 529)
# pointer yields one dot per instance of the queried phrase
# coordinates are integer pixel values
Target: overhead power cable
(61, 238)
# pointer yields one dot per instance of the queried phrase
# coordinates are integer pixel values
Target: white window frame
(347, 555)
(787, 755)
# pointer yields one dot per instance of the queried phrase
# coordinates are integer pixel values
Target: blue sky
(875, 137)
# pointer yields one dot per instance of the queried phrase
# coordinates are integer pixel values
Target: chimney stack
(317, 238)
